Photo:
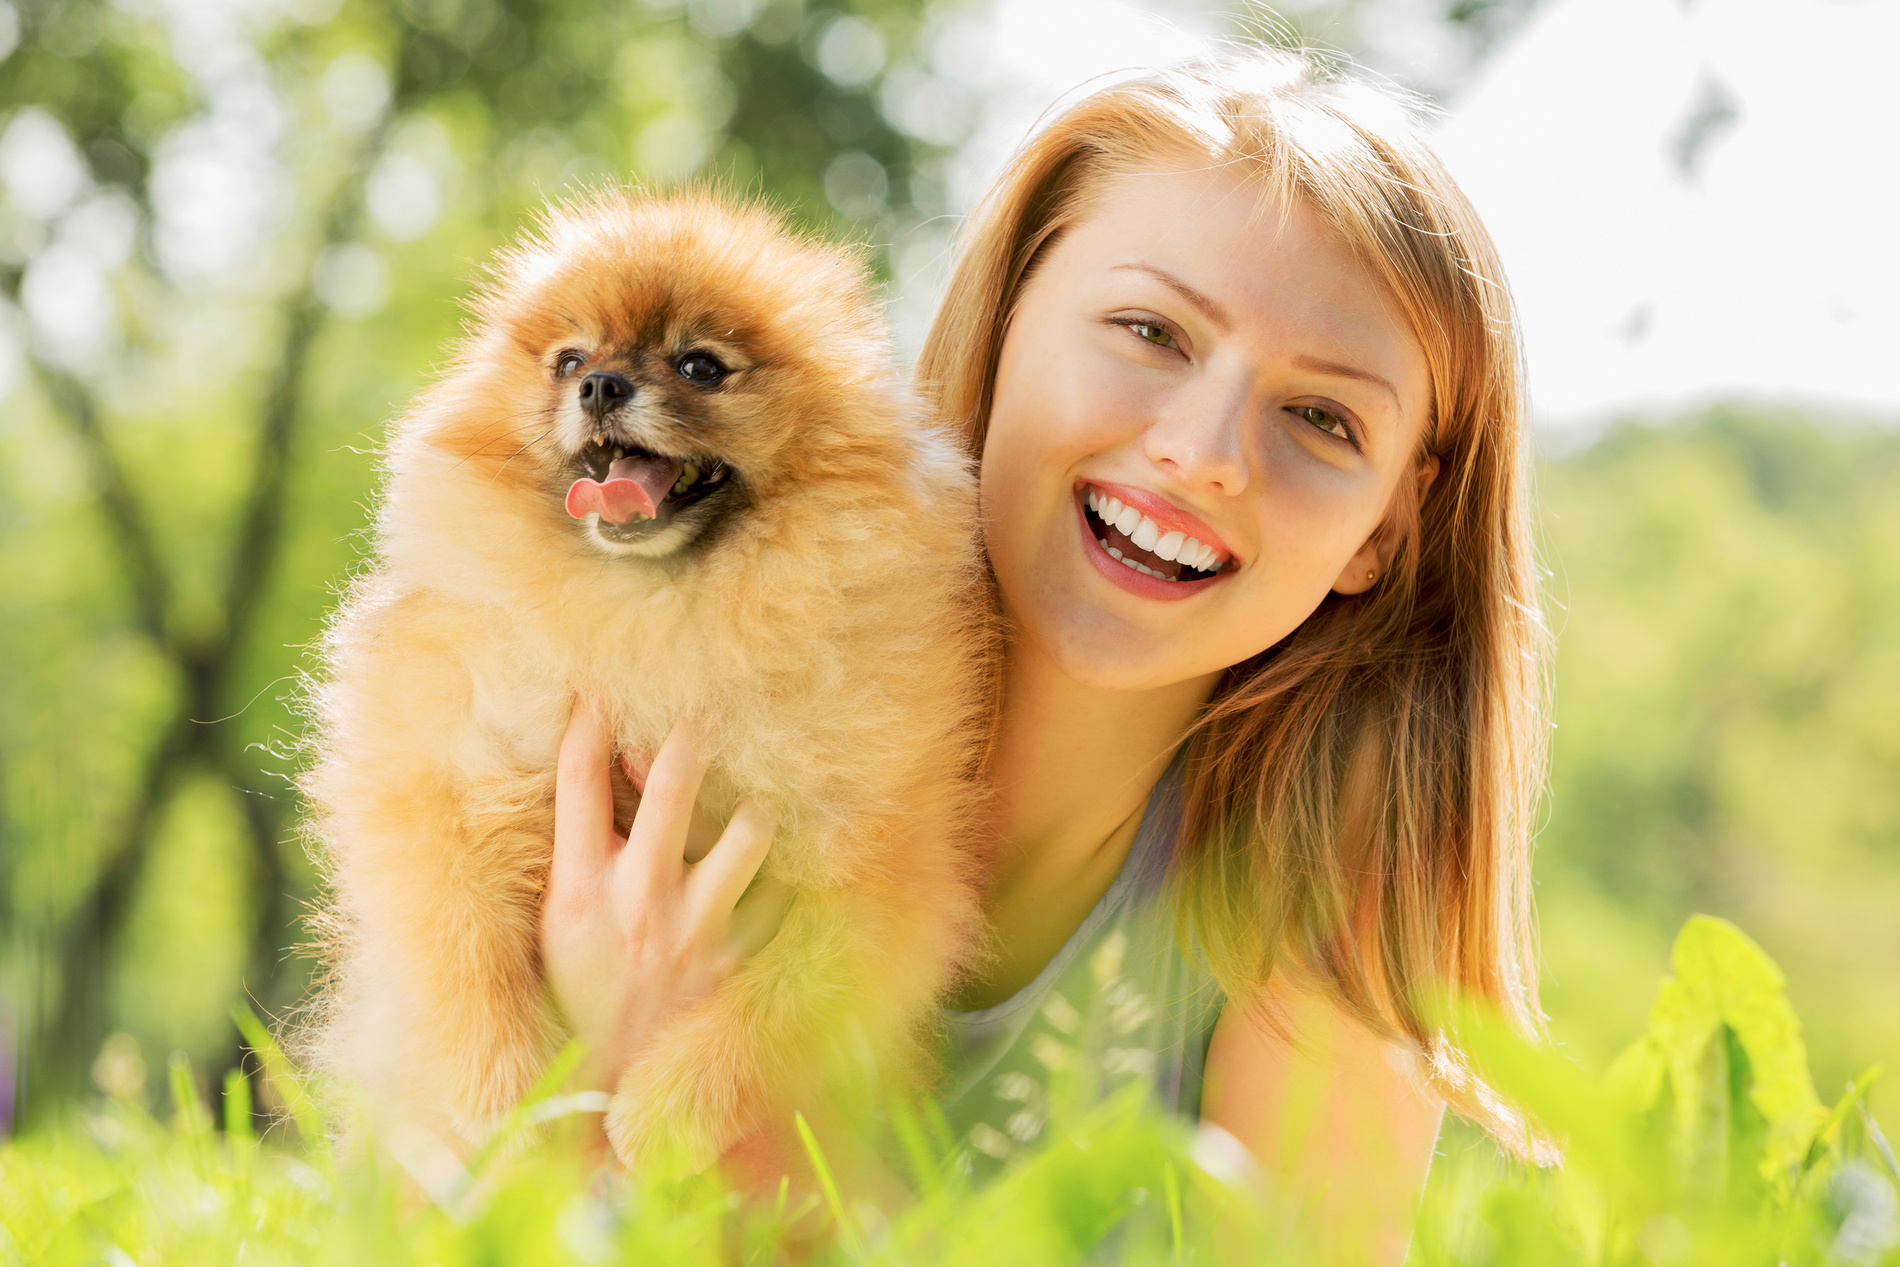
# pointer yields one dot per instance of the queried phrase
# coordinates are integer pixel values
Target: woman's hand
(632, 933)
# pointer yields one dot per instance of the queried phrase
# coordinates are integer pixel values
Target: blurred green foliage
(1704, 1143)
(1726, 591)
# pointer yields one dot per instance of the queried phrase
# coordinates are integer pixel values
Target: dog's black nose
(601, 391)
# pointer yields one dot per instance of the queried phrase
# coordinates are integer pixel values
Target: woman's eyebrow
(1212, 310)
(1339, 369)
(1209, 308)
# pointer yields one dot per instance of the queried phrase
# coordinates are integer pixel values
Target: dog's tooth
(1114, 554)
(1146, 533)
(1111, 510)
(1127, 520)
(1169, 547)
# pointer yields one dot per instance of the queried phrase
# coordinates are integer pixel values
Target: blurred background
(233, 237)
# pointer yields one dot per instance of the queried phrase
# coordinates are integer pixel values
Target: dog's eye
(697, 367)
(567, 362)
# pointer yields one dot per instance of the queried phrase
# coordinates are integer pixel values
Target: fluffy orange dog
(674, 470)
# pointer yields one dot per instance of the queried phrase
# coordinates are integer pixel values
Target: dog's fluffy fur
(814, 601)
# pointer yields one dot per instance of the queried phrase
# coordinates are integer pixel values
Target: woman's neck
(1072, 768)
(1074, 763)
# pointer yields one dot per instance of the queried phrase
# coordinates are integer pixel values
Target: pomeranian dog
(674, 470)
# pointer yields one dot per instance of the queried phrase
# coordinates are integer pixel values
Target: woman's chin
(1104, 654)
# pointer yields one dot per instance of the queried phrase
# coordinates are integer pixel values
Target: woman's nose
(1199, 436)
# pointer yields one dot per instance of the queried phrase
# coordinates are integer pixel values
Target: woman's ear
(1371, 560)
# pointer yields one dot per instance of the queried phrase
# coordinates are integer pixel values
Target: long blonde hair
(1358, 797)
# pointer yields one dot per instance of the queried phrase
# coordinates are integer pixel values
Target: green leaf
(1824, 1134)
(1726, 987)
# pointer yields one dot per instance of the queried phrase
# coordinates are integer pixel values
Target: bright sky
(1765, 262)
(1651, 272)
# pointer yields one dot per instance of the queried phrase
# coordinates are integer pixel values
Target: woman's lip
(1167, 516)
(1121, 574)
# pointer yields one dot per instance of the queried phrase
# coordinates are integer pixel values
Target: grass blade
(828, 1185)
(282, 1078)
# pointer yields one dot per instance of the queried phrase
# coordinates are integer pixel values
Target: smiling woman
(1255, 405)
(1239, 364)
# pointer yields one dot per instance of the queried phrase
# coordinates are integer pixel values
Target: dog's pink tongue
(633, 490)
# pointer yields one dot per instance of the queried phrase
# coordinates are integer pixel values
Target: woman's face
(1228, 375)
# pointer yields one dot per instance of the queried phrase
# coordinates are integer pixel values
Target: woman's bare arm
(1340, 1119)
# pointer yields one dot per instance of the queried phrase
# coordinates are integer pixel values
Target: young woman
(1238, 362)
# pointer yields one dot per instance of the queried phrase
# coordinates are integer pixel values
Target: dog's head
(655, 367)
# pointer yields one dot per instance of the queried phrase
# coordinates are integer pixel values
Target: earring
(1368, 576)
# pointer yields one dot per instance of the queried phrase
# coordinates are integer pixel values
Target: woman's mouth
(1136, 542)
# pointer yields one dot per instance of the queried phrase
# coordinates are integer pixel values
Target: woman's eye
(1157, 335)
(567, 362)
(697, 367)
(1324, 419)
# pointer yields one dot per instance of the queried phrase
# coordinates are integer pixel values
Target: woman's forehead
(1214, 242)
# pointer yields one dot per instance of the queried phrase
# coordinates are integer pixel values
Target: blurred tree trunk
(58, 1059)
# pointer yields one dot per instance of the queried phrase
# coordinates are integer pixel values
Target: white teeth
(1145, 534)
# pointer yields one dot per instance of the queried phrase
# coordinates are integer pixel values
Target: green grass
(1704, 1143)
